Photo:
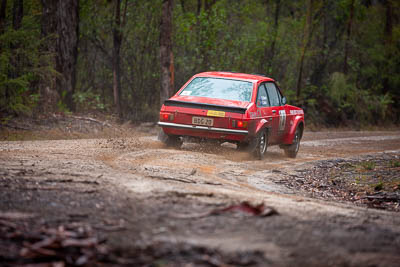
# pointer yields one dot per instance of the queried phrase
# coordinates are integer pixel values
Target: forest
(337, 59)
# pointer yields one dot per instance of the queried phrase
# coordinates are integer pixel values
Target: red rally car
(245, 109)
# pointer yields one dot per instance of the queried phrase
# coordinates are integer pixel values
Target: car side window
(279, 94)
(262, 98)
(273, 94)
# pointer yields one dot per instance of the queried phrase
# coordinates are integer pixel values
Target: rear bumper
(202, 128)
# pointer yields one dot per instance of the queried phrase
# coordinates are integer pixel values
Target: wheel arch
(263, 125)
(298, 122)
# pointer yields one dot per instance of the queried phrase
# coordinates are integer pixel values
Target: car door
(278, 112)
(284, 118)
(264, 110)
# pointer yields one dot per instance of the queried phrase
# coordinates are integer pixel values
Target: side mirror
(284, 100)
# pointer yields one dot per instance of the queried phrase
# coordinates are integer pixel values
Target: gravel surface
(139, 203)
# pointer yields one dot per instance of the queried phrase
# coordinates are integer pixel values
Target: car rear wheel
(261, 143)
(291, 150)
(242, 146)
(170, 140)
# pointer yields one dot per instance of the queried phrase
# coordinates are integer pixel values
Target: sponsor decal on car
(282, 120)
(296, 112)
(216, 113)
(254, 115)
(186, 93)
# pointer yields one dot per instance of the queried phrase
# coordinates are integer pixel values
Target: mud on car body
(245, 109)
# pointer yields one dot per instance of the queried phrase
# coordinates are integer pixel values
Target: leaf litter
(372, 181)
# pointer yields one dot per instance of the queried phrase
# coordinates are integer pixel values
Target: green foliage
(357, 104)
(220, 35)
(61, 106)
(238, 36)
(368, 165)
(20, 60)
(394, 164)
(224, 37)
(87, 101)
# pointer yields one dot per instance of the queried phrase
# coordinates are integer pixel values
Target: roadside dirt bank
(148, 205)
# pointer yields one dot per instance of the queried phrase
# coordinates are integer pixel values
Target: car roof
(234, 75)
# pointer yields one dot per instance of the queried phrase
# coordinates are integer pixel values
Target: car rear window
(219, 88)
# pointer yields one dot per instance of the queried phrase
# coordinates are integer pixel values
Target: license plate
(203, 121)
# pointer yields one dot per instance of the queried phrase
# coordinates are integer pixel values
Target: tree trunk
(18, 13)
(49, 21)
(274, 34)
(2, 15)
(166, 54)
(346, 46)
(117, 40)
(306, 40)
(322, 58)
(199, 4)
(183, 6)
(61, 18)
(388, 22)
(388, 42)
(68, 38)
(47, 85)
(203, 44)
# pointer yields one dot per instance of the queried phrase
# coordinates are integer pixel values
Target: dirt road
(155, 205)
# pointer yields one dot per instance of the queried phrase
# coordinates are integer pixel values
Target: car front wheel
(291, 150)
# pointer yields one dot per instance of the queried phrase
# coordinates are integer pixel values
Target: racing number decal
(282, 120)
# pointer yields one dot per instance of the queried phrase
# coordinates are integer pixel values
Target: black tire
(260, 144)
(170, 140)
(174, 141)
(291, 150)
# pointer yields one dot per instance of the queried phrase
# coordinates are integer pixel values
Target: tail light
(239, 124)
(166, 117)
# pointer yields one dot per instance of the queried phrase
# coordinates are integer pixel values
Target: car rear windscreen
(219, 88)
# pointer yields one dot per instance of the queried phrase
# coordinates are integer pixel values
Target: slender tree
(17, 16)
(118, 26)
(3, 7)
(204, 44)
(117, 40)
(47, 86)
(18, 13)
(388, 39)
(348, 35)
(388, 22)
(307, 33)
(166, 54)
(271, 52)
